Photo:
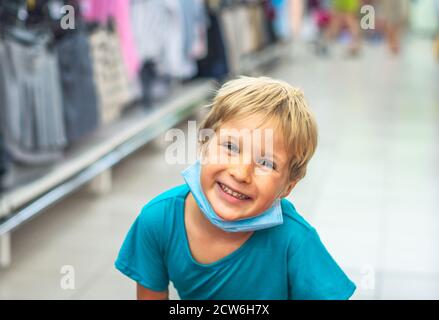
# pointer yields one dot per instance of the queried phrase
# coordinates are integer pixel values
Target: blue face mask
(269, 218)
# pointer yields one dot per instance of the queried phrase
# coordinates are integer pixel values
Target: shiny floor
(372, 189)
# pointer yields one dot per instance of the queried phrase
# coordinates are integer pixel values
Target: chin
(226, 215)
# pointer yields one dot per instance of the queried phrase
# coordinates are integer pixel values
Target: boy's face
(245, 168)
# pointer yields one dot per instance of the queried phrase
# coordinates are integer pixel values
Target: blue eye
(231, 147)
(268, 164)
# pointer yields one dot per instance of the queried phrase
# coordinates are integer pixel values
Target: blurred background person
(296, 12)
(344, 13)
(436, 41)
(394, 14)
(318, 18)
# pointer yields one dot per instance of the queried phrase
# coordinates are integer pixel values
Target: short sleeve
(314, 275)
(141, 256)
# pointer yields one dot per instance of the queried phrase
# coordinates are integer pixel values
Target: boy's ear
(288, 188)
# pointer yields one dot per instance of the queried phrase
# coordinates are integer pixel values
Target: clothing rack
(108, 146)
(91, 161)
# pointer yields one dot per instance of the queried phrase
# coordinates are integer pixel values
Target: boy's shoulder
(164, 204)
(292, 216)
(178, 192)
(294, 225)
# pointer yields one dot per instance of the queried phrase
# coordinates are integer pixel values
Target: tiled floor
(372, 189)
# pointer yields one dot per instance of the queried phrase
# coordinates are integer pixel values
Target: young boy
(229, 232)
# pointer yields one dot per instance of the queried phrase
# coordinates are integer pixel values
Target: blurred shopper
(395, 15)
(296, 13)
(436, 41)
(318, 21)
(377, 33)
(345, 14)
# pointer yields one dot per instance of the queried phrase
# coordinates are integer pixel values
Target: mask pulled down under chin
(269, 218)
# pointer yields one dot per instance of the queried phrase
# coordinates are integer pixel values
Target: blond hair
(246, 96)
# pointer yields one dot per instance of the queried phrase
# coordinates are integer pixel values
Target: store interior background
(371, 191)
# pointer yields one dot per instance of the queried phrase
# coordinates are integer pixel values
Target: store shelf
(105, 148)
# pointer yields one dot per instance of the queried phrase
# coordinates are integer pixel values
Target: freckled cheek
(267, 192)
(208, 175)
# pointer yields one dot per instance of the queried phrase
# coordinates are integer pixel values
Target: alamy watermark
(367, 278)
(367, 21)
(67, 281)
(68, 17)
(224, 146)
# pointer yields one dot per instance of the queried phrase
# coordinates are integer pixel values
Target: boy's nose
(242, 173)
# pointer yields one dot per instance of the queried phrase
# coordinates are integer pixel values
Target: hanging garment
(3, 162)
(150, 22)
(171, 34)
(258, 27)
(32, 121)
(247, 36)
(194, 36)
(126, 37)
(155, 87)
(269, 16)
(9, 11)
(229, 24)
(109, 73)
(78, 87)
(118, 11)
(252, 35)
(147, 77)
(214, 65)
(97, 11)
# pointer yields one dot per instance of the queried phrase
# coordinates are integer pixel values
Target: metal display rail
(96, 156)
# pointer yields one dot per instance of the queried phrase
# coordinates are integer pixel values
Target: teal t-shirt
(283, 262)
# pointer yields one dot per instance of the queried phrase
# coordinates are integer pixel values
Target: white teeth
(233, 193)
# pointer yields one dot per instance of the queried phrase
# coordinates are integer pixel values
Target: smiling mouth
(232, 192)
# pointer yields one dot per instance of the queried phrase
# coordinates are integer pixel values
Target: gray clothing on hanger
(32, 121)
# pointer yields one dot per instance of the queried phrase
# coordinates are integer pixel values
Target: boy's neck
(202, 224)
